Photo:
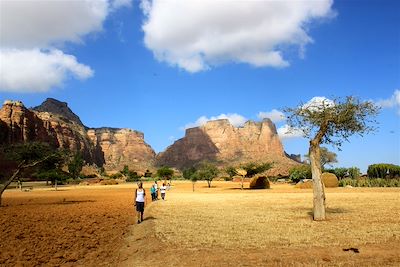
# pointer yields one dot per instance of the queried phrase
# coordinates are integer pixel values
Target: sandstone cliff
(122, 147)
(219, 141)
(55, 123)
(19, 124)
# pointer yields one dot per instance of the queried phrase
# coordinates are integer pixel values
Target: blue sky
(117, 81)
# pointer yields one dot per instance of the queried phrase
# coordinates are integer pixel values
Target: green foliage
(333, 122)
(125, 170)
(206, 171)
(188, 173)
(383, 171)
(116, 175)
(253, 168)
(300, 172)
(133, 176)
(165, 172)
(354, 173)
(50, 158)
(231, 171)
(103, 171)
(377, 182)
(75, 166)
(327, 157)
(340, 172)
(53, 175)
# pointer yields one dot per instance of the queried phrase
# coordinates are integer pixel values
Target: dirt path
(145, 245)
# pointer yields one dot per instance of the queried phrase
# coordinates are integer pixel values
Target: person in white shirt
(156, 188)
(163, 189)
(140, 199)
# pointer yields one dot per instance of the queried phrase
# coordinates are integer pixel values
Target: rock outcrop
(122, 147)
(19, 124)
(219, 141)
(53, 122)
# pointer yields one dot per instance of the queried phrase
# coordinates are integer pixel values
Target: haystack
(329, 180)
(259, 182)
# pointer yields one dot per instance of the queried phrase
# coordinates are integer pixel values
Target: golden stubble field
(219, 226)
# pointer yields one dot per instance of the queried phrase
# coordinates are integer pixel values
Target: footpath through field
(223, 225)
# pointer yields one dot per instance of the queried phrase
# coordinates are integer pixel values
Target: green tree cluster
(383, 170)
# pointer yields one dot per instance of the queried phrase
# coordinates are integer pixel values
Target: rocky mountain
(122, 147)
(59, 108)
(219, 141)
(55, 123)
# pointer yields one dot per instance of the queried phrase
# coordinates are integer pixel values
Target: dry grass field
(218, 226)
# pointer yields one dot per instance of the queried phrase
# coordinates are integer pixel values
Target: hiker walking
(163, 189)
(156, 188)
(140, 198)
(153, 193)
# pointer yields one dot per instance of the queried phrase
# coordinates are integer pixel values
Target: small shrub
(116, 175)
(354, 173)
(299, 173)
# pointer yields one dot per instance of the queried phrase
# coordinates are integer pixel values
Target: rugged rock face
(221, 142)
(122, 147)
(56, 107)
(55, 123)
(19, 124)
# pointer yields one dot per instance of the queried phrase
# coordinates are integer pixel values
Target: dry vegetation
(216, 226)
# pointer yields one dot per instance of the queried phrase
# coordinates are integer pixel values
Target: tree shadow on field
(329, 211)
(62, 202)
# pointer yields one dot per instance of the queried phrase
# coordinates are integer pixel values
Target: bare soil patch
(218, 226)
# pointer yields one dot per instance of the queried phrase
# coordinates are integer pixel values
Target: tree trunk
(241, 185)
(209, 183)
(55, 184)
(318, 186)
(9, 181)
(193, 186)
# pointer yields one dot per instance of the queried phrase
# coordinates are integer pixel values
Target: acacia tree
(24, 156)
(327, 157)
(76, 165)
(329, 122)
(208, 172)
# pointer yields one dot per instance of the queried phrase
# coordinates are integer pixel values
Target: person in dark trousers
(163, 188)
(140, 199)
(153, 193)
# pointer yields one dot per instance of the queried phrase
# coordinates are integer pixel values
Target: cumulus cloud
(286, 132)
(32, 33)
(234, 118)
(35, 70)
(274, 115)
(392, 102)
(318, 103)
(196, 35)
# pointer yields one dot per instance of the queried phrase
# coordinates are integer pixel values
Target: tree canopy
(326, 121)
(333, 121)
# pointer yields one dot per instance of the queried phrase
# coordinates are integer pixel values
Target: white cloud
(274, 115)
(235, 119)
(32, 34)
(196, 35)
(286, 132)
(37, 23)
(35, 70)
(121, 3)
(318, 103)
(392, 102)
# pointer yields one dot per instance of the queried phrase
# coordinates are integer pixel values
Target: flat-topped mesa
(220, 141)
(122, 147)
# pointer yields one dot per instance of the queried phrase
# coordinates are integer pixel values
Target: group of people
(154, 191)
(140, 197)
